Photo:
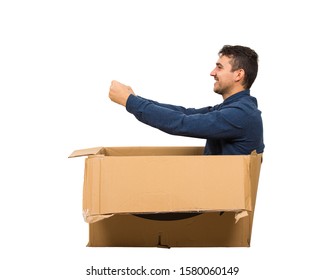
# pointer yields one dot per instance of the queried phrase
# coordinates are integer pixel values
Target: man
(231, 128)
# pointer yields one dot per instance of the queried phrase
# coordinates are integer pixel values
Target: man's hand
(119, 93)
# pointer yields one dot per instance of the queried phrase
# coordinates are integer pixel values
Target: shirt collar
(237, 96)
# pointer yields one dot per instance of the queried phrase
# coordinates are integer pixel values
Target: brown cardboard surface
(121, 181)
(205, 230)
(138, 151)
(86, 152)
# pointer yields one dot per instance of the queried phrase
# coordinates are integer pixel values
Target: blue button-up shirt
(233, 127)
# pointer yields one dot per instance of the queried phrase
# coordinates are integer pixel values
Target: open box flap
(87, 152)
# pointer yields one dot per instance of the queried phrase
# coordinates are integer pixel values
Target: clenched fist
(119, 93)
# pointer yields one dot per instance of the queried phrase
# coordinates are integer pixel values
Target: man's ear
(239, 75)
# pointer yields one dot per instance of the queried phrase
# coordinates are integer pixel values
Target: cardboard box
(168, 197)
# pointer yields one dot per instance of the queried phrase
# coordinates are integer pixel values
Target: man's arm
(212, 124)
(119, 93)
(225, 124)
(186, 111)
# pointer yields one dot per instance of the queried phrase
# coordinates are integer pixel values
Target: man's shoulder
(249, 102)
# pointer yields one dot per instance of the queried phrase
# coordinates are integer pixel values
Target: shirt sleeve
(207, 123)
(186, 111)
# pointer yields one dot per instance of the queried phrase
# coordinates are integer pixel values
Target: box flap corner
(86, 152)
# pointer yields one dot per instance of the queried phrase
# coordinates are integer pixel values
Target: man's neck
(232, 92)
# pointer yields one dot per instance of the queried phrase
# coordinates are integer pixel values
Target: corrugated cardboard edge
(248, 182)
(91, 197)
(93, 218)
(254, 171)
(87, 152)
(240, 215)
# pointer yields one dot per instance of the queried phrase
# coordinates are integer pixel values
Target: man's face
(224, 76)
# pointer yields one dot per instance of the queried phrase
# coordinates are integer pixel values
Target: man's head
(236, 69)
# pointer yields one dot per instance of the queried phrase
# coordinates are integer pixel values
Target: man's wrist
(132, 103)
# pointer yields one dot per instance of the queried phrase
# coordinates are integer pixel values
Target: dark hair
(242, 58)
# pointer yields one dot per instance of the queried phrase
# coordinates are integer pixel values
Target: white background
(57, 59)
